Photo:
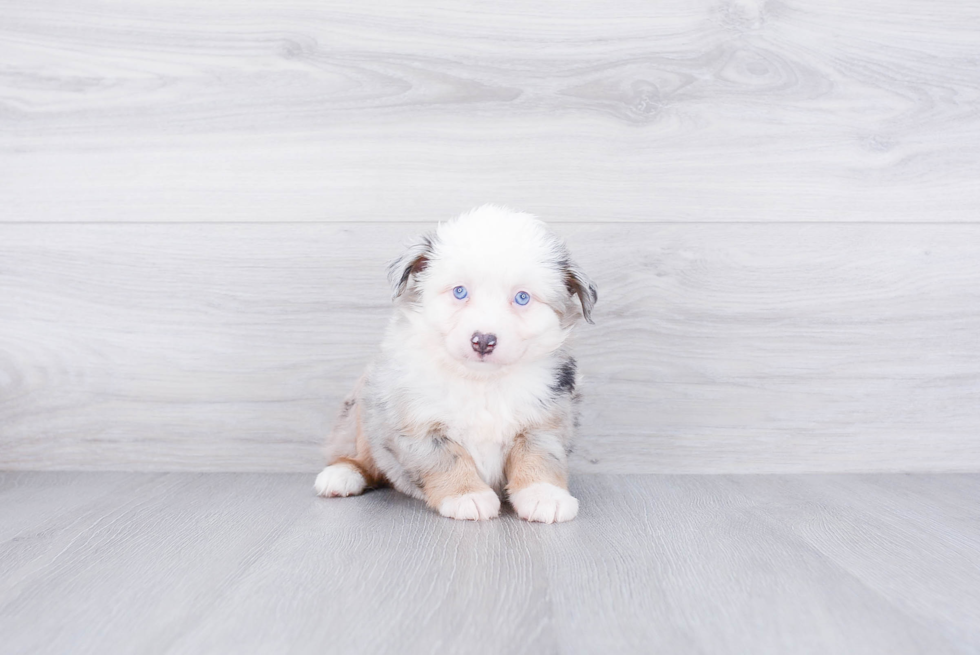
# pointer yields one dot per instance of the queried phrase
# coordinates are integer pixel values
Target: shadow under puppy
(473, 392)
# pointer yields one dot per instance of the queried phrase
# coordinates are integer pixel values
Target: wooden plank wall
(779, 202)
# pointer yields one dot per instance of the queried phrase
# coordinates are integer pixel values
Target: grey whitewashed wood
(206, 563)
(845, 521)
(718, 348)
(676, 110)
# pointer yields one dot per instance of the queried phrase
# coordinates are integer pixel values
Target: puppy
(473, 392)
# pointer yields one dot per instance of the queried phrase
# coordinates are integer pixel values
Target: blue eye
(522, 298)
(460, 292)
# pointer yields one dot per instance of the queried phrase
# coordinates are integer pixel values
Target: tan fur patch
(460, 478)
(363, 460)
(525, 466)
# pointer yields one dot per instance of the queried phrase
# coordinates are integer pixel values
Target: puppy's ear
(581, 285)
(414, 261)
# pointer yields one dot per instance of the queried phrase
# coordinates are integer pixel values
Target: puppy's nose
(483, 343)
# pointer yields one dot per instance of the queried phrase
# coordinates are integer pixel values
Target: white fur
(483, 401)
(544, 503)
(428, 387)
(482, 414)
(494, 254)
(475, 506)
(339, 480)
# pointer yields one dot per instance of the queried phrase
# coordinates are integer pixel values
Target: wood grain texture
(195, 563)
(680, 110)
(718, 348)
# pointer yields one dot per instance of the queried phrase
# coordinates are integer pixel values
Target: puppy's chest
(476, 414)
(486, 418)
(486, 427)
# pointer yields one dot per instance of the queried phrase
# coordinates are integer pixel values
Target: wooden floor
(231, 563)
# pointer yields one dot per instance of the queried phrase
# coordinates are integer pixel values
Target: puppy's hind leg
(351, 467)
(339, 480)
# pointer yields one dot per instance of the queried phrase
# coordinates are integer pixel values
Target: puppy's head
(490, 289)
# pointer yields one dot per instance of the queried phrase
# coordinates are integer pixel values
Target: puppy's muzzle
(483, 343)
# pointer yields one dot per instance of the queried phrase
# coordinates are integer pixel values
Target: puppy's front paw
(545, 503)
(339, 480)
(474, 506)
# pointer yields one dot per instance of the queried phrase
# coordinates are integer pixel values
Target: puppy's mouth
(484, 362)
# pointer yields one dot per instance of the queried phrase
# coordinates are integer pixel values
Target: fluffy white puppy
(473, 392)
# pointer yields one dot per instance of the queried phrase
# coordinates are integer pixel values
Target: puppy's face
(491, 289)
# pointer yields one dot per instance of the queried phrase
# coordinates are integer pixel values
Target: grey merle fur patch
(565, 377)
